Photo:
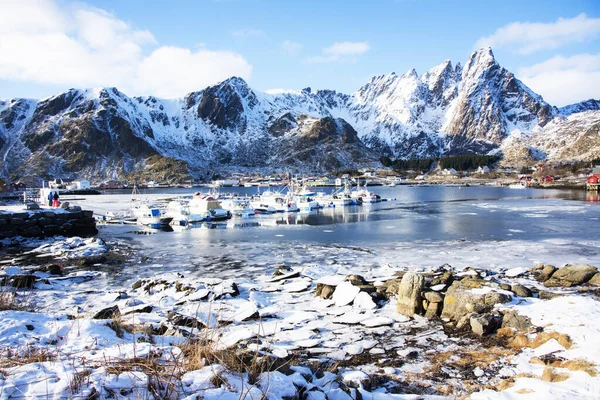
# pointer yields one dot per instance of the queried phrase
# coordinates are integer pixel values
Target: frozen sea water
(485, 227)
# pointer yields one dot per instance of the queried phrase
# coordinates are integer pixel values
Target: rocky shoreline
(292, 332)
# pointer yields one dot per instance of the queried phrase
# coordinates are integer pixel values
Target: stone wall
(46, 222)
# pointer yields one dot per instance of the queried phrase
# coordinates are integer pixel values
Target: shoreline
(362, 343)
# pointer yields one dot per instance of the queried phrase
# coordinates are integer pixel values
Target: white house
(450, 171)
(483, 170)
(81, 184)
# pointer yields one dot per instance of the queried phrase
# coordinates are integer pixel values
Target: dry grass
(13, 357)
(551, 375)
(469, 358)
(78, 381)
(163, 377)
(572, 365)
(520, 341)
(120, 327)
(200, 353)
(509, 382)
(11, 300)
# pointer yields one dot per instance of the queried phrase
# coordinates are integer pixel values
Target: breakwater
(47, 222)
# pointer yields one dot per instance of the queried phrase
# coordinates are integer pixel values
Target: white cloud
(82, 46)
(341, 51)
(528, 37)
(162, 72)
(564, 80)
(291, 47)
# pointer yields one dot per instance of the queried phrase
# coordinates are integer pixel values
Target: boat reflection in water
(231, 224)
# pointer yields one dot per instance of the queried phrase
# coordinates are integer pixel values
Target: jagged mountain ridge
(479, 108)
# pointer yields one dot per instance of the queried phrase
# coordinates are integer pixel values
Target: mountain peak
(235, 81)
(482, 57)
(412, 73)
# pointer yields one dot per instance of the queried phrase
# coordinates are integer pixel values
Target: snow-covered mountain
(479, 108)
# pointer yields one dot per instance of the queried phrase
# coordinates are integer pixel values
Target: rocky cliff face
(450, 109)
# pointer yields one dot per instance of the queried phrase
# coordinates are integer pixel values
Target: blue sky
(151, 47)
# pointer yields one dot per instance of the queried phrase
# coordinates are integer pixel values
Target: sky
(168, 49)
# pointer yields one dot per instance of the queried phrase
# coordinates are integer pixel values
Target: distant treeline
(577, 165)
(459, 163)
(464, 163)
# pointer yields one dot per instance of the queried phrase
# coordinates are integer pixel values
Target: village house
(547, 179)
(450, 171)
(81, 184)
(593, 181)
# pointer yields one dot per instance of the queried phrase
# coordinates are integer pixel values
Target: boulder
(434, 297)
(546, 273)
(389, 288)
(184, 320)
(546, 295)
(595, 280)
(17, 221)
(433, 310)
(571, 275)
(461, 300)
(53, 269)
(445, 279)
(356, 280)
(107, 313)
(325, 291)
(484, 324)
(513, 320)
(409, 301)
(282, 270)
(367, 288)
(33, 206)
(520, 290)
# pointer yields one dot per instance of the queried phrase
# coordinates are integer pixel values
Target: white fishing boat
(150, 215)
(277, 201)
(517, 186)
(120, 217)
(365, 195)
(208, 207)
(147, 213)
(238, 206)
(336, 199)
(261, 207)
(304, 191)
(180, 211)
(306, 204)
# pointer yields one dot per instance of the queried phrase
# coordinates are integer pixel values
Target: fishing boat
(146, 213)
(276, 201)
(180, 211)
(517, 186)
(238, 206)
(120, 217)
(208, 207)
(152, 216)
(365, 195)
